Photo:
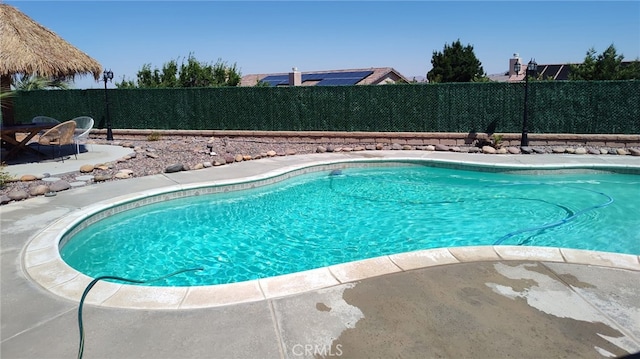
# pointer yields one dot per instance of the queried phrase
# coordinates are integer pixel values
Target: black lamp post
(107, 76)
(532, 70)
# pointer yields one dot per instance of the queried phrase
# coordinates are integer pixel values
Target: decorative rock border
(497, 149)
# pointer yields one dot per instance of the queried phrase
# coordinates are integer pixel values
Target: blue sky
(266, 37)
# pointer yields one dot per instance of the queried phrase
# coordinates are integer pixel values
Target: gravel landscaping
(184, 153)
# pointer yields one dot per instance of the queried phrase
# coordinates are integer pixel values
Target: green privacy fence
(603, 107)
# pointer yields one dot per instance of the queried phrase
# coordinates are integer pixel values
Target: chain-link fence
(603, 107)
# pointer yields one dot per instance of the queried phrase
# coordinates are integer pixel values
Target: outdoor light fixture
(107, 76)
(532, 70)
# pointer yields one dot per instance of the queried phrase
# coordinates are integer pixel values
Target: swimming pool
(319, 219)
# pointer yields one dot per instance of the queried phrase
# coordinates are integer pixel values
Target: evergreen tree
(606, 66)
(456, 63)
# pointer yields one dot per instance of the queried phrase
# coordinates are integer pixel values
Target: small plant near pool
(154, 136)
(494, 141)
(4, 176)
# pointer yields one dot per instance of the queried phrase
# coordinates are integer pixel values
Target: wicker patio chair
(58, 136)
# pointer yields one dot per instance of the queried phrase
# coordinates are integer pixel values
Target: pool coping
(42, 262)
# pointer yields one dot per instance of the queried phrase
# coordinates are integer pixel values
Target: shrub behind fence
(603, 107)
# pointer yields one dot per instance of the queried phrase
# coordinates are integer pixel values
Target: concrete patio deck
(480, 302)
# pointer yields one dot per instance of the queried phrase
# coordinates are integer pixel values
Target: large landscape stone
(28, 178)
(488, 150)
(39, 190)
(102, 177)
(177, 167)
(60, 185)
(87, 168)
(18, 195)
(634, 151)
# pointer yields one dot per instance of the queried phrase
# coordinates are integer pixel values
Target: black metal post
(524, 140)
(107, 76)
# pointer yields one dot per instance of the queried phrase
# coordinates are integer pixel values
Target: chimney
(295, 77)
(513, 61)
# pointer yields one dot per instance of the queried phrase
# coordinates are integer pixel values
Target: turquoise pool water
(321, 219)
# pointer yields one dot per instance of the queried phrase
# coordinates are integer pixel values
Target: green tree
(169, 76)
(126, 84)
(606, 66)
(456, 63)
(190, 73)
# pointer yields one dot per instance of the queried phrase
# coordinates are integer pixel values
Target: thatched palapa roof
(27, 47)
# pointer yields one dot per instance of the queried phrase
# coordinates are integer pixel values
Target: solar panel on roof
(552, 70)
(273, 83)
(275, 77)
(311, 77)
(323, 78)
(346, 74)
(330, 75)
(338, 82)
(275, 80)
(564, 73)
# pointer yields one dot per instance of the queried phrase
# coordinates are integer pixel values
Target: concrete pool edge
(60, 279)
(42, 263)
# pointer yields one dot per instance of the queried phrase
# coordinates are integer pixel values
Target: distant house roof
(499, 77)
(370, 76)
(553, 71)
(556, 72)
